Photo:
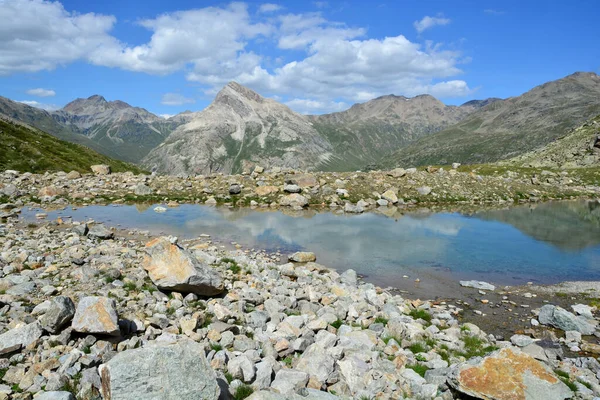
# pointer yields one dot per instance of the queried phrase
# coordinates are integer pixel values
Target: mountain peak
(97, 98)
(236, 90)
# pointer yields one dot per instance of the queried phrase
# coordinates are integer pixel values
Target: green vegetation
(418, 347)
(216, 347)
(233, 265)
(418, 368)
(2, 373)
(228, 377)
(566, 379)
(337, 324)
(476, 347)
(420, 314)
(381, 320)
(288, 361)
(243, 391)
(130, 287)
(28, 150)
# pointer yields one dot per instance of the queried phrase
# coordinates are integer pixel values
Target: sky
(315, 57)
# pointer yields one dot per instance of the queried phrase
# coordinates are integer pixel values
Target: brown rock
(96, 315)
(50, 191)
(100, 169)
(508, 374)
(590, 347)
(266, 190)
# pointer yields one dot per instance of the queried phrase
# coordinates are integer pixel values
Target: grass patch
(243, 391)
(233, 265)
(207, 320)
(228, 377)
(2, 373)
(216, 347)
(418, 347)
(130, 286)
(566, 379)
(288, 361)
(381, 320)
(420, 314)
(476, 347)
(419, 369)
(337, 324)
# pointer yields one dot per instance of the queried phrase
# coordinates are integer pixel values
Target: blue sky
(314, 56)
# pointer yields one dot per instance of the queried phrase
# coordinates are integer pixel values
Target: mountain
(364, 133)
(507, 128)
(578, 148)
(129, 132)
(43, 120)
(27, 149)
(237, 129)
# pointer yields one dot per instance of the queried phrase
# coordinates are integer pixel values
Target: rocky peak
(234, 90)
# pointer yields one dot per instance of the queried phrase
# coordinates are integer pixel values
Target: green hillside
(29, 150)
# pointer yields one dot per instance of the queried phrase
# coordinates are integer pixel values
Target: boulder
(390, 195)
(59, 314)
(288, 381)
(100, 169)
(508, 374)
(293, 200)
(99, 231)
(303, 257)
(424, 190)
(160, 371)
(97, 315)
(266, 190)
(20, 337)
(50, 191)
(235, 189)
(55, 396)
(173, 268)
(73, 175)
(142, 190)
(292, 189)
(562, 319)
(306, 180)
(397, 173)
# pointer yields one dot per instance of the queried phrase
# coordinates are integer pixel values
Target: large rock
(562, 319)
(96, 315)
(160, 371)
(293, 200)
(391, 196)
(55, 396)
(142, 190)
(478, 285)
(266, 190)
(100, 169)
(303, 257)
(59, 314)
(20, 337)
(506, 375)
(99, 231)
(173, 268)
(316, 363)
(50, 191)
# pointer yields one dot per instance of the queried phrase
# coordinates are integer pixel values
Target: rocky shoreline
(88, 311)
(93, 311)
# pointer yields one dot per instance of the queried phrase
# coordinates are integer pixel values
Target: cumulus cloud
(166, 116)
(37, 35)
(317, 65)
(269, 8)
(33, 103)
(41, 92)
(175, 99)
(429, 22)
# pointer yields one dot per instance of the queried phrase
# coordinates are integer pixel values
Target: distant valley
(240, 129)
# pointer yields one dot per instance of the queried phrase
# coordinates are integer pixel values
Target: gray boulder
(478, 285)
(96, 315)
(58, 315)
(99, 231)
(20, 337)
(160, 371)
(142, 190)
(235, 189)
(173, 268)
(562, 319)
(55, 396)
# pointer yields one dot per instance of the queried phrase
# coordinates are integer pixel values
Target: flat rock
(100, 169)
(508, 374)
(55, 396)
(99, 231)
(97, 315)
(173, 268)
(160, 371)
(293, 200)
(560, 318)
(478, 285)
(303, 257)
(142, 190)
(20, 337)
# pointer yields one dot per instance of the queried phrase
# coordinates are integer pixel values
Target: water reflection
(544, 243)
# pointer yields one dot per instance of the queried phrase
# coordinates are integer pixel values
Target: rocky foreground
(386, 191)
(89, 312)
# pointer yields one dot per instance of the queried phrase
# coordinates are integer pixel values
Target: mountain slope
(579, 148)
(27, 149)
(44, 121)
(238, 129)
(510, 127)
(130, 132)
(364, 133)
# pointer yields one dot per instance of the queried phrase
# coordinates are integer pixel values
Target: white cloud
(269, 8)
(308, 106)
(33, 103)
(175, 99)
(38, 35)
(166, 116)
(429, 22)
(314, 64)
(41, 92)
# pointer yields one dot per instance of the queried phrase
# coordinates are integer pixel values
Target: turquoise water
(545, 243)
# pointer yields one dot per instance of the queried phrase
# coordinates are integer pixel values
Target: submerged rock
(506, 375)
(160, 371)
(173, 268)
